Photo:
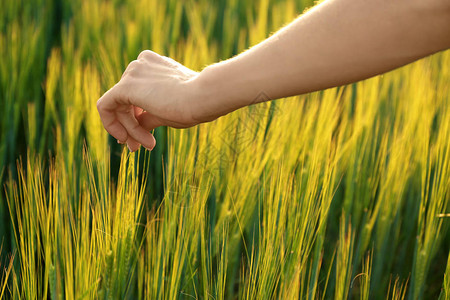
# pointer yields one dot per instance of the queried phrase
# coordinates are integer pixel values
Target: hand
(154, 91)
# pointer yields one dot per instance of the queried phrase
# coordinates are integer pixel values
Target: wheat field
(338, 194)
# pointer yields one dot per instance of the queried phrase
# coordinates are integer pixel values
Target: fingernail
(130, 149)
(149, 149)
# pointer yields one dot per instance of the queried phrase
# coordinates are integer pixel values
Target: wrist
(199, 98)
(224, 87)
(210, 97)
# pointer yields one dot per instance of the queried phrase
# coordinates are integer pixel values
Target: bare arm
(337, 42)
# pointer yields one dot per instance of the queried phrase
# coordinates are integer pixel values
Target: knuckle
(99, 105)
(146, 54)
(132, 68)
(133, 65)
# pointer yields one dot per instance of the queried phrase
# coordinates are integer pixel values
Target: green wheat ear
(108, 275)
(101, 294)
(52, 279)
(125, 265)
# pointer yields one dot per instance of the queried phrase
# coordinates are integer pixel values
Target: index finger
(106, 106)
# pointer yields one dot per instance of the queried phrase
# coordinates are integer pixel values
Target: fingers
(109, 119)
(120, 121)
(135, 130)
(137, 111)
(148, 121)
(132, 144)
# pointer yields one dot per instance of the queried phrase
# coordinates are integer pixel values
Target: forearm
(335, 43)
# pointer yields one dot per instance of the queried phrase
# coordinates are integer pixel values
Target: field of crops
(339, 194)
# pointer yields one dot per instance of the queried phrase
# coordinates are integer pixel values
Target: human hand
(154, 91)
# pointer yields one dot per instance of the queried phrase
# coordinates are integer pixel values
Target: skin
(336, 42)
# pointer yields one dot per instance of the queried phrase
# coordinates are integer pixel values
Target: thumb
(148, 121)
